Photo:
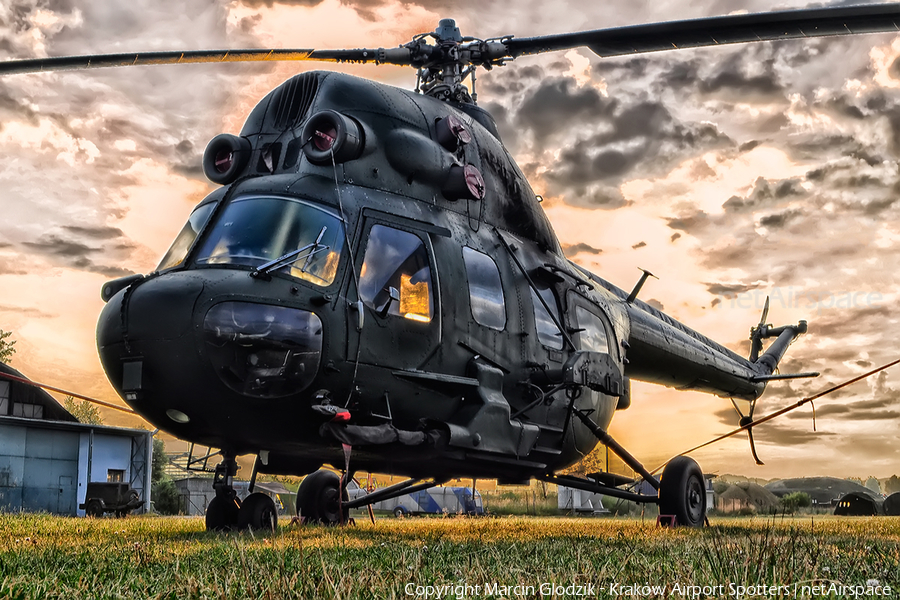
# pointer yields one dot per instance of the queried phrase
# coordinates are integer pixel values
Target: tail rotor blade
(765, 313)
(753, 446)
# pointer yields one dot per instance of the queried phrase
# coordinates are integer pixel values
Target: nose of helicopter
(180, 350)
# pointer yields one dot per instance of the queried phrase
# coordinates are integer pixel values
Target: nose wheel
(682, 492)
(258, 512)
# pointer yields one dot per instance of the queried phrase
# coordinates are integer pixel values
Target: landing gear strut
(222, 512)
(680, 492)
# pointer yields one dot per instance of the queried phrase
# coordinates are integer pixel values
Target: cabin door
(396, 290)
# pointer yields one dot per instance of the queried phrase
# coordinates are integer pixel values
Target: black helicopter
(375, 287)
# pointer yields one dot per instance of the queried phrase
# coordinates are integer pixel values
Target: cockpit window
(179, 249)
(254, 231)
(395, 278)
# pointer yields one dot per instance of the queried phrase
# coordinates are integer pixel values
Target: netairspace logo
(459, 591)
(812, 301)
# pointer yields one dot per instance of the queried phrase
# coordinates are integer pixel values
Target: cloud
(765, 193)
(573, 249)
(642, 135)
(27, 311)
(559, 103)
(100, 233)
(77, 255)
(730, 290)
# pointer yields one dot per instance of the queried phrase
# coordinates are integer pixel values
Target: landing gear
(682, 493)
(319, 498)
(226, 511)
(258, 512)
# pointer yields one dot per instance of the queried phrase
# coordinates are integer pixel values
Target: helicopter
(375, 287)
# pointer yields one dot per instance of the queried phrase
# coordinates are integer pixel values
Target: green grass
(43, 556)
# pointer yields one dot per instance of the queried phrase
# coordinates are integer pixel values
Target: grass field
(43, 556)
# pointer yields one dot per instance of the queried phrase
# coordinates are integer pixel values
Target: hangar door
(39, 470)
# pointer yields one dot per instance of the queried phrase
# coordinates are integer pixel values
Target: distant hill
(822, 490)
(729, 478)
(745, 494)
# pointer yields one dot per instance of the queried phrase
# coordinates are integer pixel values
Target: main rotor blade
(67, 63)
(714, 31)
(66, 392)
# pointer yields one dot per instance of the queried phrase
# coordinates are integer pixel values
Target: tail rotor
(758, 333)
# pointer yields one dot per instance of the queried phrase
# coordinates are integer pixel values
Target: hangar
(47, 457)
(856, 505)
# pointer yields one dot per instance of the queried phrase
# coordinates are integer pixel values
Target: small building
(195, 494)
(574, 501)
(47, 457)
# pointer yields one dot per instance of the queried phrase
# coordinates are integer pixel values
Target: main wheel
(682, 493)
(318, 498)
(222, 513)
(94, 508)
(258, 512)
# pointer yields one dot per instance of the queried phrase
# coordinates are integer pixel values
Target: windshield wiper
(292, 256)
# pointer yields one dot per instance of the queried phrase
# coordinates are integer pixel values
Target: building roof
(31, 394)
(72, 426)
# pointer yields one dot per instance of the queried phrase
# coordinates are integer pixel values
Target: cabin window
(179, 249)
(253, 231)
(593, 334)
(395, 278)
(485, 289)
(547, 331)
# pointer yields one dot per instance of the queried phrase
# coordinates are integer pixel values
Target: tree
(872, 484)
(166, 499)
(7, 346)
(795, 500)
(84, 411)
(892, 485)
(160, 460)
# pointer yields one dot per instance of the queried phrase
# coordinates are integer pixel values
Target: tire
(400, 512)
(258, 513)
(318, 498)
(222, 513)
(682, 492)
(94, 508)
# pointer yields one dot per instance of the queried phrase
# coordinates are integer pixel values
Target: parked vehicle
(102, 498)
(434, 500)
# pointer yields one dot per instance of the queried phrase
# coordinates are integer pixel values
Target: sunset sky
(731, 173)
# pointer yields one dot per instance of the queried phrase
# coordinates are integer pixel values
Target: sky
(732, 173)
